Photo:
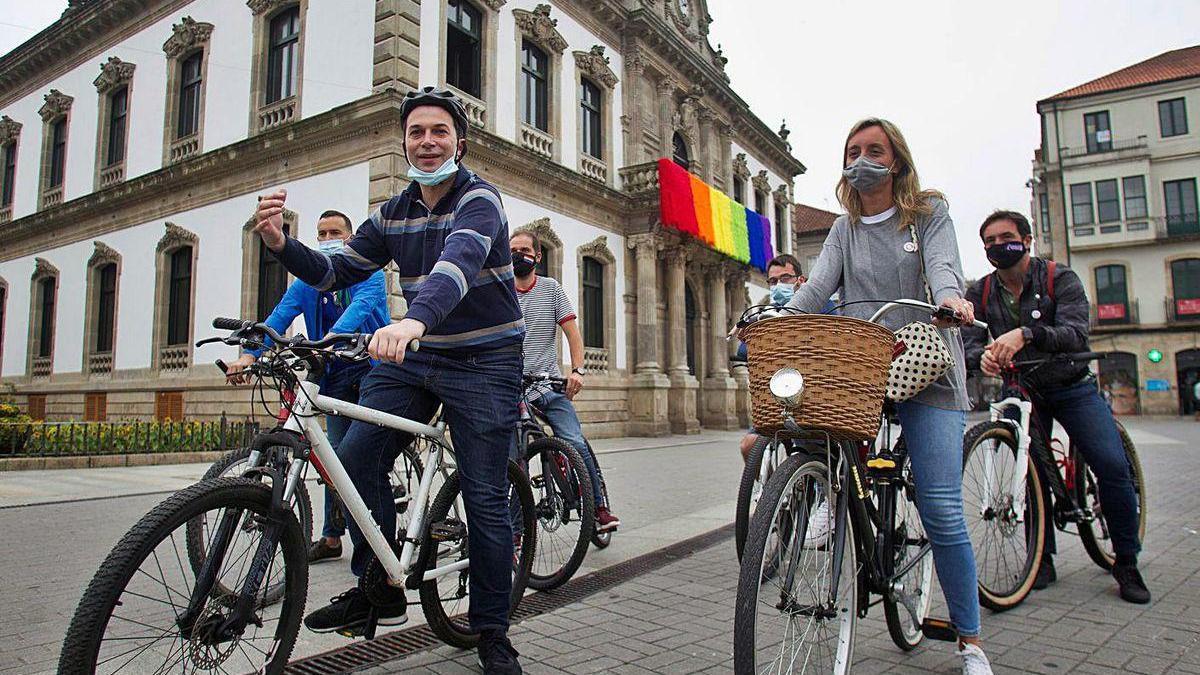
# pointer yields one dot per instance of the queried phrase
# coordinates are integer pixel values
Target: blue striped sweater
(454, 263)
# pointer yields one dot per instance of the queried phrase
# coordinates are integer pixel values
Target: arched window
(593, 303)
(179, 297)
(43, 304)
(1185, 284)
(1112, 295)
(679, 151)
(175, 293)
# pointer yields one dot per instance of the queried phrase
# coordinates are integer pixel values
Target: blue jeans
(935, 440)
(479, 395)
(565, 422)
(342, 384)
(1082, 412)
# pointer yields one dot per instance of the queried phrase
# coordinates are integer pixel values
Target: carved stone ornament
(56, 105)
(598, 248)
(113, 73)
(760, 182)
(103, 254)
(684, 120)
(594, 64)
(495, 4)
(740, 168)
(10, 129)
(719, 57)
(265, 6)
(781, 195)
(635, 63)
(541, 229)
(176, 237)
(539, 27)
(187, 35)
(43, 268)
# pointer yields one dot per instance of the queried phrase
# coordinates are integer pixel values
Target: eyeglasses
(782, 279)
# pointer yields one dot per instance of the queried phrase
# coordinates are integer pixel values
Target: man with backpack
(1034, 309)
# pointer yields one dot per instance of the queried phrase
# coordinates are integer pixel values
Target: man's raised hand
(268, 218)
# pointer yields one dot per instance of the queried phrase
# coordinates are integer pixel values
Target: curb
(107, 461)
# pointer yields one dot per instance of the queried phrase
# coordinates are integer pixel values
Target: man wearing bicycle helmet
(447, 234)
(1036, 308)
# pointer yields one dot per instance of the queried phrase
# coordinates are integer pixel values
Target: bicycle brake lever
(210, 340)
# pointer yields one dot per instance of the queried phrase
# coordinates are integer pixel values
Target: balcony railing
(1101, 148)
(640, 178)
(174, 358)
(1183, 310)
(276, 114)
(1182, 224)
(1105, 315)
(537, 141)
(100, 363)
(42, 365)
(184, 147)
(112, 175)
(593, 168)
(595, 360)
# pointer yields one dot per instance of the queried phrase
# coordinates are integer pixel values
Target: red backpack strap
(983, 300)
(1051, 267)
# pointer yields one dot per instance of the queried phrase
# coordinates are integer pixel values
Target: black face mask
(1005, 255)
(523, 264)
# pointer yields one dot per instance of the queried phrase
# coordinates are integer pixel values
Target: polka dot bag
(919, 359)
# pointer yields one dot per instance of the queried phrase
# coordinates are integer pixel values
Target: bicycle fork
(1020, 429)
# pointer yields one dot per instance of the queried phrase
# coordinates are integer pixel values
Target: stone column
(666, 105)
(683, 384)
(725, 141)
(635, 148)
(720, 390)
(648, 393)
(706, 151)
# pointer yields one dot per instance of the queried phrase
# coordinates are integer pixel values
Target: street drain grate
(406, 641)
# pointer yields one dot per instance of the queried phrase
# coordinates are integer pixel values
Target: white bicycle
(149, 610)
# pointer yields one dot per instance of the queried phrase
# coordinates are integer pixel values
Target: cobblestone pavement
(678, 619)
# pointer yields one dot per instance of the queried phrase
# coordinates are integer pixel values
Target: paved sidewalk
(678, 619)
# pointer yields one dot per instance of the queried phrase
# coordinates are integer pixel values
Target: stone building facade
(135, 136)
(1115, 197)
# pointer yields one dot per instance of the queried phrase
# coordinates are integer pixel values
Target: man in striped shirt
(546, 307)
(448, 236)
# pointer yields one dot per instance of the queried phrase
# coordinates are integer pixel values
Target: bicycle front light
(787, 386)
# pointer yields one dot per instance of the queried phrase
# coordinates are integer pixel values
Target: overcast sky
(960, 78)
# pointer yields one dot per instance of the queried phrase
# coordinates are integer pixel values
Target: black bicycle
(564, 504)
(1012, 470)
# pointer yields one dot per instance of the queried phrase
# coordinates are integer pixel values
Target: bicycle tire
(905, 633)
(742, 510)
(99, 602)
(1018, 583)
(600, 539)
(455, 630)
(195, 529)
(550, 515)
(753, 568)
(1086, 497)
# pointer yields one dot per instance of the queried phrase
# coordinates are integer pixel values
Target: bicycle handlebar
(936, 311)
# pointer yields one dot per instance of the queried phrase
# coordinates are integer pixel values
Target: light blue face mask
(330, 246)
(782, 293)
(430, 178)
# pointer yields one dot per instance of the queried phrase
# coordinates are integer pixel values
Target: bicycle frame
(1020, 429)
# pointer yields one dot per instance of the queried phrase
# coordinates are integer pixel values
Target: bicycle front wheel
(1097, 539)
(750, 489)
(199, 530)
(445, 599)
(797, 598)
(130, 619)
(1008, 545)
(565, 508)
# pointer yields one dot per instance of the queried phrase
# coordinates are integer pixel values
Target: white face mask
(330, 246)
(430, 178)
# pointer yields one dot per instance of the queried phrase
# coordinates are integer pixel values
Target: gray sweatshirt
(870, 262)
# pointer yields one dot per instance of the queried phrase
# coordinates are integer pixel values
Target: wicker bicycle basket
(844, 362)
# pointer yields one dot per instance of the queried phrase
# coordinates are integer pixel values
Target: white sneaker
(975, 662)
(817, 533)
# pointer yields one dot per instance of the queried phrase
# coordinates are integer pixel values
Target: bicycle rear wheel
(200, 529)
(750, 489)
(445, 599)
(906, 605)
(564, 506)
(1008, 546)
(1095, 535)
(790, 615)
(128, 620)
(600, 539)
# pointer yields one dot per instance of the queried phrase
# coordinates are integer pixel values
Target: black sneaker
(496, 654)
(1045, 575)
(348, 613)
(319, 550)
(1133, 589)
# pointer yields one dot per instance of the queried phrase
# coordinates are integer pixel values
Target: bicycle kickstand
(939, 629)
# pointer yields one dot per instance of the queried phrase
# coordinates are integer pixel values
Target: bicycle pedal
(939, 629)
(450, 529)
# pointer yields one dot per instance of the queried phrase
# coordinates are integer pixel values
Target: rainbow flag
(690, 205)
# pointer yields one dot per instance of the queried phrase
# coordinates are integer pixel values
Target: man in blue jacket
(361, 308)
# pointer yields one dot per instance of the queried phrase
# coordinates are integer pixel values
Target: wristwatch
(577, 371)
(1027, 333)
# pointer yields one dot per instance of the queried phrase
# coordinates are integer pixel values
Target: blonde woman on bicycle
(897, 241)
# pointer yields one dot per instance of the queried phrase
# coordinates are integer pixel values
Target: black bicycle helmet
(440, 97)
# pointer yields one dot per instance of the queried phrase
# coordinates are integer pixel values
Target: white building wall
(218, 272)
(338, 54)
